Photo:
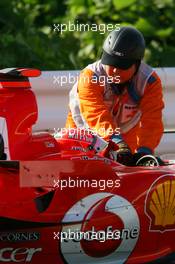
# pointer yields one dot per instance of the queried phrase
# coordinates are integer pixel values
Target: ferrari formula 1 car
(62, 201)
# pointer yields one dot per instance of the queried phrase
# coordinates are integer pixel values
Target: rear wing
(18, 108)
(17, 77)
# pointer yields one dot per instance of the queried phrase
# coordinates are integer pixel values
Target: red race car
(64, 202)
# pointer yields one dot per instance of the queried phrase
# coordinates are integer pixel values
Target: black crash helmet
(123, 48)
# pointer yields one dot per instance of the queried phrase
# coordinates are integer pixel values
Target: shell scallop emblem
(160, 204)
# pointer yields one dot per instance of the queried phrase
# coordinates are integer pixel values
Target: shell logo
(160, 204)
(100, 212)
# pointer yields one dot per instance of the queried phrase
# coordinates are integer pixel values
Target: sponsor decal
(118, 53)
(105, 214)
(10, 254)
(49, 144)
(81, 137)
(77, 148)
(105, 160)
(160, 204)
(19, 236)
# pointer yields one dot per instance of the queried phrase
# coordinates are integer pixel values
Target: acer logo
(18, 254)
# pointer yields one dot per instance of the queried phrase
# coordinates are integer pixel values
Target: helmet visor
(116, 61)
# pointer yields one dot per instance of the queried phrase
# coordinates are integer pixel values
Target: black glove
(118, 150)
(124, 155)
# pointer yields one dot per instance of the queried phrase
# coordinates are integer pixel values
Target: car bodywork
(62, 202)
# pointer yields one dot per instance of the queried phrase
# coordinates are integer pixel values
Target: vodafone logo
(100, 212)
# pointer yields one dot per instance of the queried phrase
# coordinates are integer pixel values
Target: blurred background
(28, 39)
